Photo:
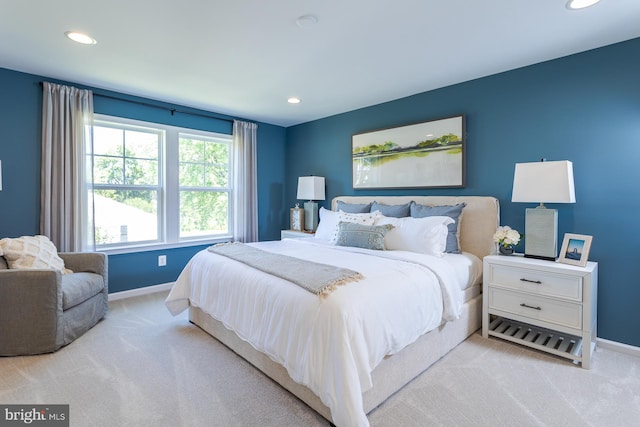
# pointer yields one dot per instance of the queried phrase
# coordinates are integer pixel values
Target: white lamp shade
(544, 182)
(311, 188)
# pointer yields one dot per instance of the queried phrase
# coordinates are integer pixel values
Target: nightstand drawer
(539, 282)
(534, 307)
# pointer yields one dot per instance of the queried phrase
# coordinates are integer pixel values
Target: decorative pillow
(329, 230)
(398, 211)
(32, 252)
(354, 207)
(422, 235)
(328, 224)
(362, 236)
(455, 212)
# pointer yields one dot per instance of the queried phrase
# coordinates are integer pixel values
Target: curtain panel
(245, 224)
(66, 212)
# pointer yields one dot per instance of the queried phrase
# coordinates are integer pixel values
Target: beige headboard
(480, 217)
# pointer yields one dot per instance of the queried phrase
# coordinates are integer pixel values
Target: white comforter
(330, 345)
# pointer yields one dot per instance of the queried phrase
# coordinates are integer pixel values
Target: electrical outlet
(162, 260)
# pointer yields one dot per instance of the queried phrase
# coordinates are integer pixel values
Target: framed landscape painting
(423, 155)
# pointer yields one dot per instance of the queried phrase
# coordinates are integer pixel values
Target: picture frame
(428, 154)
(575, 249)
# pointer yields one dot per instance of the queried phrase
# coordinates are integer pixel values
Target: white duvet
(330, 345)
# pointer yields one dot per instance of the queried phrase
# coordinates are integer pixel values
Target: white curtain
(66, 213)
(245, 183)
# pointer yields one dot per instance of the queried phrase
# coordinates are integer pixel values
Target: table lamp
(311, 188)
(542, 182)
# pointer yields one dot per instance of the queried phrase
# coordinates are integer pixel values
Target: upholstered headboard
(480, 217)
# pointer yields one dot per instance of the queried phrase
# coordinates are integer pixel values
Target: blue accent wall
(20, 153)
(584, 108)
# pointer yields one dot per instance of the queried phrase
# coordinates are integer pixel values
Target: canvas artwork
(423, 155)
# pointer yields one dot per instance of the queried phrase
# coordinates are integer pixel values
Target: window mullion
(172, 200)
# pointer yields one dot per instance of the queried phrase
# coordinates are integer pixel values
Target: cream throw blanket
(319, 279)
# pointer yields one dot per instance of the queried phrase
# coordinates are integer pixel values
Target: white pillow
(32, 252)
(422, 235)
(328, 224)
(329, 221)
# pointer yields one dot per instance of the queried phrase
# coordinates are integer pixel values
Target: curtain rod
(161, 107)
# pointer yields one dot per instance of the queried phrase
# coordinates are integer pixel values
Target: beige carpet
(142, 367)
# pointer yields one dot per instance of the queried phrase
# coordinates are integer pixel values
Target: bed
(346, 351)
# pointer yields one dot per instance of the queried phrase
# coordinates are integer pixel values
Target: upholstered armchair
(42, 310)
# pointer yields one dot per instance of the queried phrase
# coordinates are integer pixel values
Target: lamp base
(546, 258)
(310, 216)
(541, 233)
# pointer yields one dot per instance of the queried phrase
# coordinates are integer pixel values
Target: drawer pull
(531, 281)
(529, 306)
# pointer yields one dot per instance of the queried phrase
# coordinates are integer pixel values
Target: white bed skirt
(389, 376)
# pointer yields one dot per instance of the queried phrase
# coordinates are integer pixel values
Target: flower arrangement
(506, 236)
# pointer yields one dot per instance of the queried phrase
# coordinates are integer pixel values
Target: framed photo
(423, 155)
(575, 249)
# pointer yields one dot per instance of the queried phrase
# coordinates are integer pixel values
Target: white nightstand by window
(545, 305)
(293, 234)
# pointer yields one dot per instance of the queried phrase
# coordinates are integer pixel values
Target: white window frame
(208, 136)
(169, 193)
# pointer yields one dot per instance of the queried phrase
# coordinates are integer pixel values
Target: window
(156, 184)
(204, 185)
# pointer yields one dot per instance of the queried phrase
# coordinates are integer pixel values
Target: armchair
(43, 310)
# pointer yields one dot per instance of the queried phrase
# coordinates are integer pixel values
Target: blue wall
(584, 108)
(20, 153)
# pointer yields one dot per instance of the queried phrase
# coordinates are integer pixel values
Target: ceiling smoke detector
(307, 21)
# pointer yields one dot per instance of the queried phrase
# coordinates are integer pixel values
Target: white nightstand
(541, 304)
(293, 234)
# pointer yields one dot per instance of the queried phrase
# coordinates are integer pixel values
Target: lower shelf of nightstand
(547, 340)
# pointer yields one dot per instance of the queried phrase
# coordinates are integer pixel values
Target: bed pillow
(398, 211)
(32, 252)
(426, 235)
(329, 220)
(354, 207)
(327, 224)
(362, 236)
(454, 212)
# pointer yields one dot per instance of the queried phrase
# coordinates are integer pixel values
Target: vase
(505, 250)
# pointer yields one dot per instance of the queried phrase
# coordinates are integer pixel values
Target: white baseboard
(619, 347)
(140, 291)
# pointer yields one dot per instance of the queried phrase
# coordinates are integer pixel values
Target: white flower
(506, 236)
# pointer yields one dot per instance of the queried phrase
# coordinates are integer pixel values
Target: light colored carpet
(142, 367)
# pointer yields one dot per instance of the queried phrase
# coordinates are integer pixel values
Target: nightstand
(541, 304)
(293, 234)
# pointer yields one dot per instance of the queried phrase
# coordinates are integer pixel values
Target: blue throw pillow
(362, 236)
(396, 211)
(354, 207)
(454, 212)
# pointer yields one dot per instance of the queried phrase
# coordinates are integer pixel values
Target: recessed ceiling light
(306, 21)
(293, 100)
(580, 4)
(80, 38)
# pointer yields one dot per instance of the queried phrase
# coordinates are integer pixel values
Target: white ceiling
(246, 57)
